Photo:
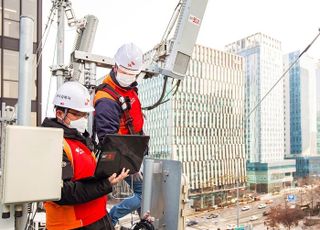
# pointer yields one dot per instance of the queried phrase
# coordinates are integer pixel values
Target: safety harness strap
(124, 103)
(67, 150)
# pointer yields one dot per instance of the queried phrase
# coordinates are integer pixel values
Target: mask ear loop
(65, 114)
(115, 69)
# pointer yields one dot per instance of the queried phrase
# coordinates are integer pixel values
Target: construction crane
(170, 59)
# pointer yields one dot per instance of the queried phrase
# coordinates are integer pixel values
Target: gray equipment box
(31, 164)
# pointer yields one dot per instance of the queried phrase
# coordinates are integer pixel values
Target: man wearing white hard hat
(118, 111)
(83, 197)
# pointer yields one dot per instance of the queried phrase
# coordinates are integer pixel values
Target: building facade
(264, 135)
(301, 113)
(10, 13)
(307, 166)
(300, 95)
(318, 105)
(201, 126)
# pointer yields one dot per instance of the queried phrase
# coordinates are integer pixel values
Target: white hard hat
(73, 95)
(129, 56)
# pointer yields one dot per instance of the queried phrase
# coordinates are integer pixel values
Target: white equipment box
(32, 164)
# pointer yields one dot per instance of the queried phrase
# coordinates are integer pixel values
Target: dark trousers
(102, 224)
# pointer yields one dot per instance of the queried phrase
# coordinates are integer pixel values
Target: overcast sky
(294, 22)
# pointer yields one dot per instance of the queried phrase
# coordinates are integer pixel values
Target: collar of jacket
(67, 132)
(112, 81)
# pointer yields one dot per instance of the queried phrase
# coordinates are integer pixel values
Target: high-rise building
(300, 115)
(201, 126)
(318, 105)
(301, 105)
(10, 12)
(264, 136)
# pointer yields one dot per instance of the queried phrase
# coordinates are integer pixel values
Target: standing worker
(83, 197)
(118, 110)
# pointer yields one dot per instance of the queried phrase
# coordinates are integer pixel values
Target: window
(11, 9)
(29, 8)
(10, 89)
(11, 18)
(11, 74)
(11, 28)
(11, 62)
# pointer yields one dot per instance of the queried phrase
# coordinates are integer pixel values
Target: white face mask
(80, 124)
(125, 80)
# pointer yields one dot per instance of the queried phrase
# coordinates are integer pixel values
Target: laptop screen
(121, 151)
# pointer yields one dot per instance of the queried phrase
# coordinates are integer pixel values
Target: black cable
(160, 102)
(143, 225)
(175, 88)
(28, 222)
(282, 76)
(34, 215)
(29, 211)
(161, 97)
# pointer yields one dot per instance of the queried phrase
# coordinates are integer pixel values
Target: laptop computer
(121, 151)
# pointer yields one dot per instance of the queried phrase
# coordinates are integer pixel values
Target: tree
(285, 216)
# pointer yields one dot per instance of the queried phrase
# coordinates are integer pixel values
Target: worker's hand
(114, 179)
(148, 217)
(137, 176)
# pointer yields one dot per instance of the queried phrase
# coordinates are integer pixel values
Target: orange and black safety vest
(131, 121)
(60, 217)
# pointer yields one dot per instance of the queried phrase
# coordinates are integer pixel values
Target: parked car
(253, 218)
(192, 222)
(245, 208)
(260, 206)
(213, 215)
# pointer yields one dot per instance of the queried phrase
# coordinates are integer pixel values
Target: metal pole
(237, 176)
(25, 70)
(24, 93)
(60, 44)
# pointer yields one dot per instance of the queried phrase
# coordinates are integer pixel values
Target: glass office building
(10, 11)
(307, 166)
(264, 130)
(301, 114)
(301, 101)
(318, 105)
(318, 133)
(201, 126)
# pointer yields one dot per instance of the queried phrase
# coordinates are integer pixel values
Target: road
(229, 215)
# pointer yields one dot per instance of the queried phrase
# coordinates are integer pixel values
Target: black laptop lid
(121, 151)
